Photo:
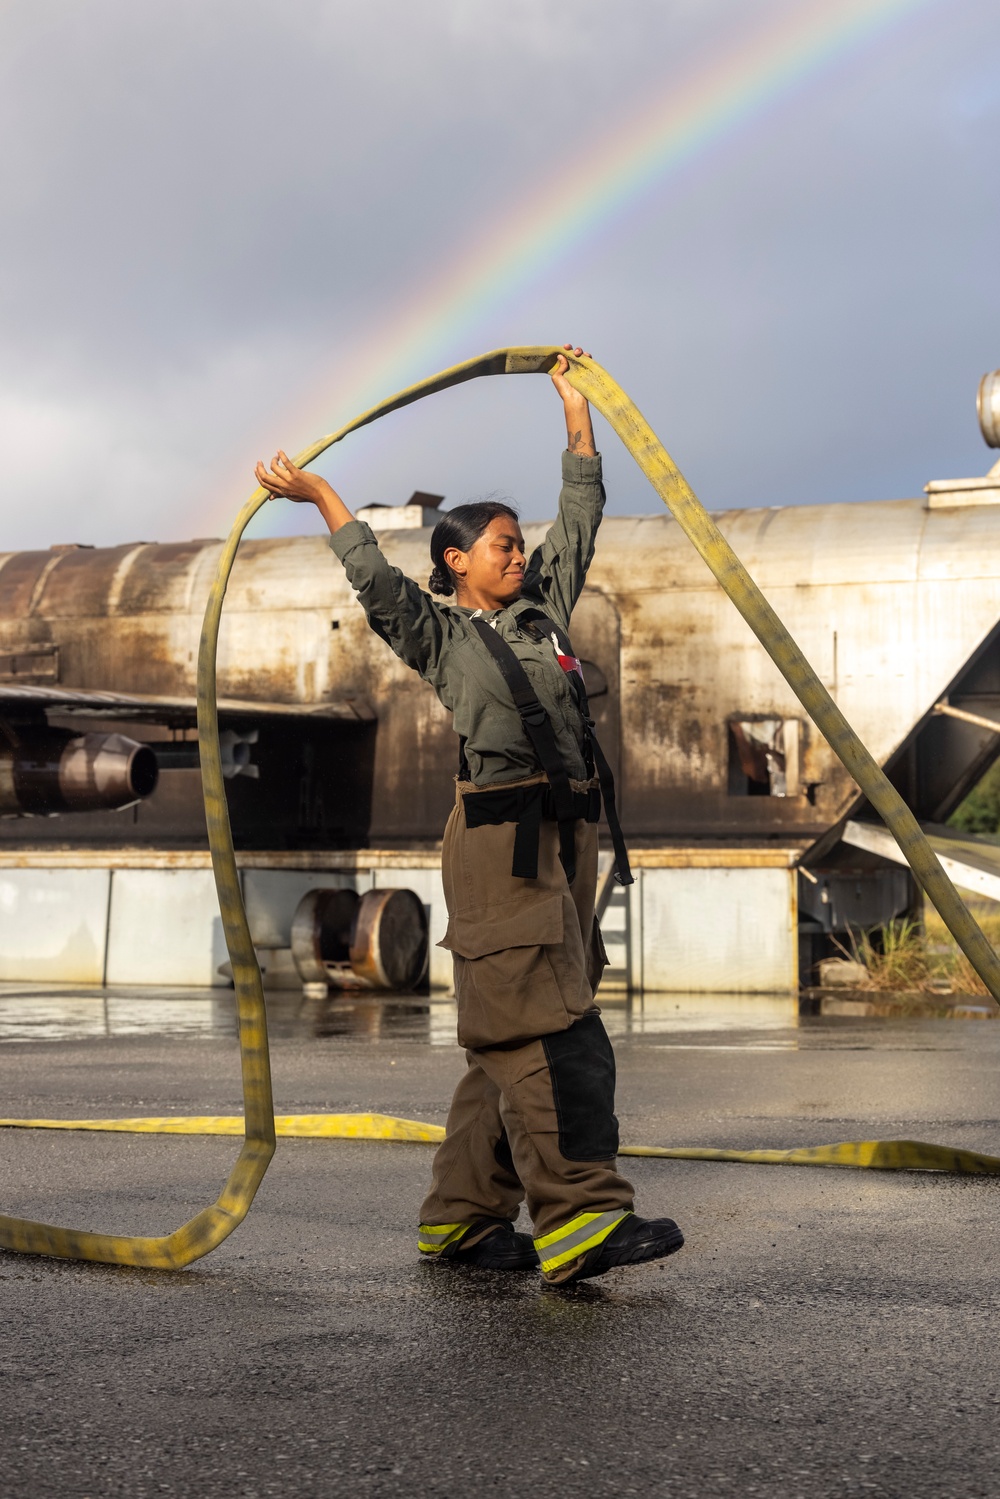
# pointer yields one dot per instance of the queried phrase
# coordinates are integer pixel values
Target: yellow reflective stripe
(576, 1237)
(582, 1220)
(433, 1237)
(578, 1249)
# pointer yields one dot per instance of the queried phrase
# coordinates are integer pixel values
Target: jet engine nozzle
(44, 771)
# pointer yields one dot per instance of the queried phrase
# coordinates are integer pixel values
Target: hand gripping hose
(213, 1224)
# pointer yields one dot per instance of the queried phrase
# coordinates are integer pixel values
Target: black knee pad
(582, 1068)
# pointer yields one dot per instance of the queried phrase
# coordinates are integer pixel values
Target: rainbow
(437, 323)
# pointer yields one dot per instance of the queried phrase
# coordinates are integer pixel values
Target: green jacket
(439, 642)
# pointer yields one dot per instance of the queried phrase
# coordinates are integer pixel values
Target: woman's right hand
(291, 483)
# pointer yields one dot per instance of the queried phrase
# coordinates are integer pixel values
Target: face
(492, 571)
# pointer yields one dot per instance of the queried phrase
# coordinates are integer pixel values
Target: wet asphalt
(823, 1332)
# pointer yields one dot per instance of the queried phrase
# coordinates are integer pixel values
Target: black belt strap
(539, 730)
(526, 807)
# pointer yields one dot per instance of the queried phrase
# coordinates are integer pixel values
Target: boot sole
(483, 1256)
(624, 1258)
(466, 1262)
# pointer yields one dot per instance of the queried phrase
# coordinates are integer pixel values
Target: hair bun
(440, 583)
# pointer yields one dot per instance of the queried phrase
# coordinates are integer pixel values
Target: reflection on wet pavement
(42, 1014)
(47, 1013)
(765, 1022)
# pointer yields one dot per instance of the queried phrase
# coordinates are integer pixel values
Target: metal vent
(31, 664)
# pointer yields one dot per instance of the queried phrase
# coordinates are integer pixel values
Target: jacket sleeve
(405, 617)
(557, 570)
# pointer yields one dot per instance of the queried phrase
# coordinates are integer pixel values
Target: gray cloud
(210, 206)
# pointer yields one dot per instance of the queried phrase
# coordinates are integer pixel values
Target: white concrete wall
(729, 930)
(165, 928)
(53, 924)
(690, 930)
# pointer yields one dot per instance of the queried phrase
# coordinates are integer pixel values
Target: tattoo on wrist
(579, 442)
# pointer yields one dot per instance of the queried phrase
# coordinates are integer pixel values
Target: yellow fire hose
(213, 1224)
(880, 1155)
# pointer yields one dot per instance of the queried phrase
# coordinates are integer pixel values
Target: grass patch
(901, 957)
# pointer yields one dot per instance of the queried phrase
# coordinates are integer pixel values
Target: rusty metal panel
(31, 663)
(888, 600)
(21, 574)
(878, 597)
(83, 581)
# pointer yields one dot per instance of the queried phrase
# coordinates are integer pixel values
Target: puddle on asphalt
(48, 1013)
(763, 1022)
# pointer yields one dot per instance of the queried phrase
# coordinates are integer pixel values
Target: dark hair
(461, 528)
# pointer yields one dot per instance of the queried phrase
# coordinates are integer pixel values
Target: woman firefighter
(533, 1117)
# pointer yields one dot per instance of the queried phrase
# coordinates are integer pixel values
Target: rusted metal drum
(389, 945)
(322, 928)
(377, 941)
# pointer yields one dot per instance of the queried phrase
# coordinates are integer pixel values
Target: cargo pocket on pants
(597, 957)
(506, 986)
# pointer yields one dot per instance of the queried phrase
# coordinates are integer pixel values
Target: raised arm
(298, 484)
(398, 611)
(557, 570)
(579, 429)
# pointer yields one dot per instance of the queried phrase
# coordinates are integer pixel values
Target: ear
(456, 561)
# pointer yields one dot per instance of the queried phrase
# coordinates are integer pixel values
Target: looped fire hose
(213, 1224)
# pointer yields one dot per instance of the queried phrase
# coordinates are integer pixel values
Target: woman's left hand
(567, 394)
(579, 431)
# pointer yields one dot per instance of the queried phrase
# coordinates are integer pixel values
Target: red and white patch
(568, 663)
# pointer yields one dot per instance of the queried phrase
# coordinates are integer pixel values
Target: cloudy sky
(232, 224)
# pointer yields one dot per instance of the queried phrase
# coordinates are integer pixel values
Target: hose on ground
(866, 1155)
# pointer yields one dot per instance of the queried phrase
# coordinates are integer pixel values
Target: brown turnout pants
(533, 1117)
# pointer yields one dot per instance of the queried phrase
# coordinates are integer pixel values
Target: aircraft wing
(30, 701)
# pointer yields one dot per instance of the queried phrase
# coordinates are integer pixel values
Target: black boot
(499, 1249)
(632, 1242)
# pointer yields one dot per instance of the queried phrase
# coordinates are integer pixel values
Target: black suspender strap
(539, 730)
(623, 872)
(542, 735)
